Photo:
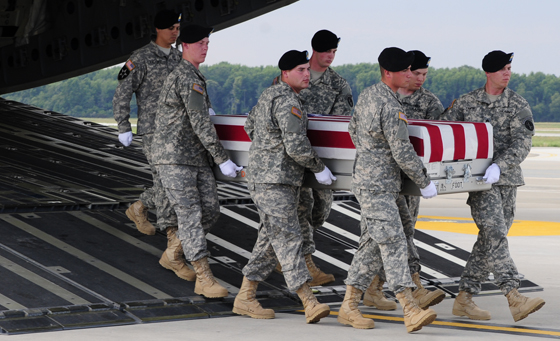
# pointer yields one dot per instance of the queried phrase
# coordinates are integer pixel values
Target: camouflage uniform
(328, 95)
(185, 140)
(423, 105)
(379, 132)
(493, 210)
(149, 66)
(279, 154)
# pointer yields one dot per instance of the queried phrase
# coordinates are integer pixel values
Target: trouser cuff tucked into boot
(521, 306)
(319, 277)
(246, 303)
(349, 314)
(314, 311)
(206, 285)
(423, 297)
(138, 213)
(464, 306)
(374, 296)
(172, 258)
(414, 317)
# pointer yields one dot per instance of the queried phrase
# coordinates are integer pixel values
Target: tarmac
(534, 245)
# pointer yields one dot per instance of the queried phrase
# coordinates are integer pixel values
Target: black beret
(165, 19)
(324, 40)
(496, 60)
(193, 33)
(420, 61)
(394, 59)
(292, 58)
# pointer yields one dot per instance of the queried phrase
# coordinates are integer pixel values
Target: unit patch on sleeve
(126, 69)
(402, 116)
(296, 112)
(529, 124)
(350, 101)
(198, 88)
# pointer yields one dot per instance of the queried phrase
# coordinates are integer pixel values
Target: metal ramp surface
(70, 258)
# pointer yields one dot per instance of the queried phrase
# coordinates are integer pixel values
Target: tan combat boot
(206, 285)
(172, 257)
(374, 296)
(314, 311)
(319, 277)
(423, 297)
(138, 213)
(246, 303)
(349, 314)
(414, 317)
(521, 306)
(464, 306)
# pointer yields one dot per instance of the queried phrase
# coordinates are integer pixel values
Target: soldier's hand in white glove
(229, 168)
(325, 177)
(429, 191)
(492, 174)
(126, 138)
(211, 112)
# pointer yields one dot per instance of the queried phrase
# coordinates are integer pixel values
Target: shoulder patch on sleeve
(402, 116)
(296, 112)
(350, 101)
(529, 124)
(126, 69)
(129, 65)
(452, 104)
(196, 100)
(198, 88)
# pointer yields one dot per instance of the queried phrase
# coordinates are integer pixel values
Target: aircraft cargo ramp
(70, 258)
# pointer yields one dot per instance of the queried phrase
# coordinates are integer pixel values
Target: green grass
(547, 125)
(546, 141)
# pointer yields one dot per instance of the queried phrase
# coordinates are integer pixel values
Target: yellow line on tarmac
(480, 327)
(467, 226)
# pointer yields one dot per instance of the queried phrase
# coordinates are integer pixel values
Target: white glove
(211, 112)
(492, 174)
(429, 192)
(230, 169)
(126, 138)
(325, 177)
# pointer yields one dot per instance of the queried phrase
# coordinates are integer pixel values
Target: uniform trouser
(193, 195)
(382, 243)
(313, 210)
(279, 238)
(492, 211)
(155, 197)
(409, 206)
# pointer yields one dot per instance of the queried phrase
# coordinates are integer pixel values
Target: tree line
(235, 89)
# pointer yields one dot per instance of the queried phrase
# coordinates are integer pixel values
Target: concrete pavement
(535, 256)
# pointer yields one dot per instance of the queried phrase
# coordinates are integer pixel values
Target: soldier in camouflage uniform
(280, 151)
(328, 94)
(418, 103)
(493, 210)
(143, 74)
(380, 133)
(185, 142)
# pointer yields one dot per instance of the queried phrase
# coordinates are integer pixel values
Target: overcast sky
(453, 33)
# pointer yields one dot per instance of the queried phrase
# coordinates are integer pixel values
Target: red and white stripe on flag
(433, 141)
(436, 141)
